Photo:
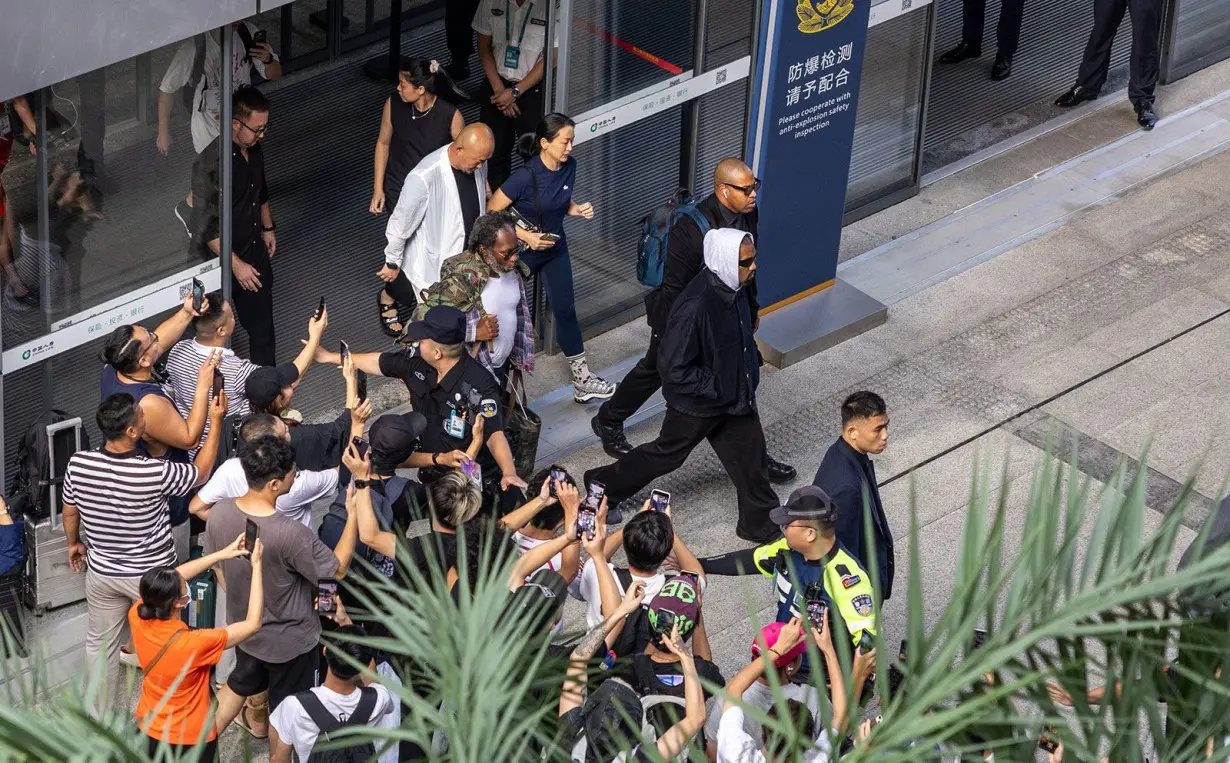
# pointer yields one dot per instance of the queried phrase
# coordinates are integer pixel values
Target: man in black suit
(846, 472)
(1007, 35)
(1145, 61)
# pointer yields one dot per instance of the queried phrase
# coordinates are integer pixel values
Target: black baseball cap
(394, 438)
(442, 324)
(807, 504)
(267, 382)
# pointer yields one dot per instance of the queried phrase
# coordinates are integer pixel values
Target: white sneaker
(129, 658)
(592, 388)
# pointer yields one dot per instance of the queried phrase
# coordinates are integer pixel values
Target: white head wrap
(722, 254)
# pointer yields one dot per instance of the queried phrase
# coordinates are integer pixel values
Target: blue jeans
(556, 268)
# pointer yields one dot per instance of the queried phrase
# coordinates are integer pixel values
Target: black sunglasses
(755, 186)
(748, 262)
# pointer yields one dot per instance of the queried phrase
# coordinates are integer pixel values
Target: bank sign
(802, 132)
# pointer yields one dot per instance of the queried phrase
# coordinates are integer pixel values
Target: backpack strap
(696, 216)
(321, 717)
(624, 576)
(367, 703)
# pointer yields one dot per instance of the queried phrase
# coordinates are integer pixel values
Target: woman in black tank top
(416, 121)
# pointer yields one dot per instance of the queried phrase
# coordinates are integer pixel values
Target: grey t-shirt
(293, 561)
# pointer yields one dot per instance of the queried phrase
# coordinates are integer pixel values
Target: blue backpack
(655, 236)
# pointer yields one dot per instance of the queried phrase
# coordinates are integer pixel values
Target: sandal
(387, 321)
(242, 722)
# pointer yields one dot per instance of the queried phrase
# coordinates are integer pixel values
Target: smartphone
(360, 383)
(261, 37)
(198, 294)
(343, 351)
(326, 597)
(593, 499)
(558, 476)
(361, 446)
(815, 613)
(219, 382)
(587, 520)
(320, 309)
(472, 470)
(1048, 742)
(249, 537)
(659, 500)
(666, 622)
(980, 638)
(553, 237)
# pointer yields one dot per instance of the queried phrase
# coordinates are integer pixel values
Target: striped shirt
(122, 500)
(184, 363)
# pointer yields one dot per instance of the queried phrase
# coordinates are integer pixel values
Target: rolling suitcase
(50, 582)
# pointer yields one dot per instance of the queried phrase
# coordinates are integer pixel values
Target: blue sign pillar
(799, 142)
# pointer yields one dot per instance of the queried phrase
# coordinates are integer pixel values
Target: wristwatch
(360, 484)
(434, 456)
(516, 92)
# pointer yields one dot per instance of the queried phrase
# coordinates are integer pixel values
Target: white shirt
(502, 21)
(735, 745)
(295, 726)
(426, 227)
(760, 695)
(500, 298)
(585, 588)
(206, 105)
(228, 481)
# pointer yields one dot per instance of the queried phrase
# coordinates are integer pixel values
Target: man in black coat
(710, 370)
(731, 205)
(846, 473)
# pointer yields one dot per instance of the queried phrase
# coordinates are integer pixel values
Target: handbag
(522, 427)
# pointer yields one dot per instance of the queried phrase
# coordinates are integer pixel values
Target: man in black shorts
(285, 656)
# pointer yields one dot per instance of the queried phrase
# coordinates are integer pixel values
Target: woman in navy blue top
(541, 193)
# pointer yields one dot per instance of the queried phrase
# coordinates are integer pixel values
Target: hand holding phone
(558, 476)
(587, 521)
(326, 597)
(360, 383)
(361, 447)
(593, 498)
(261, 37)
(198, 294)
(320, 309)
(219, 382)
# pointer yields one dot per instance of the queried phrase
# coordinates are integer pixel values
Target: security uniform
(450, 405)
(518, 32)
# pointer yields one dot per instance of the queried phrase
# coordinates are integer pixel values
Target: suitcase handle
(54, 482)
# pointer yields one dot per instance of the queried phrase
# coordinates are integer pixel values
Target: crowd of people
(208, 471)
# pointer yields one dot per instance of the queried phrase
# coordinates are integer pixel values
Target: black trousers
(254, 309)
(506, 130)
(402, 290)
(1007, 32)
(739, 444)
(635, 389)
(458, 30)
(1146, 46)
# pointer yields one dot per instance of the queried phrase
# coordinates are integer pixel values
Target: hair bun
(433, 66)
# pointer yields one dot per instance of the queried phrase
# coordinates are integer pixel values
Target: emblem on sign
(825, 15)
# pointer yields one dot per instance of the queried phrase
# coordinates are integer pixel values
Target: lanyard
(529, 14)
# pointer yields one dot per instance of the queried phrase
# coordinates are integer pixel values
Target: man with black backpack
(304, 721)
(672, 253)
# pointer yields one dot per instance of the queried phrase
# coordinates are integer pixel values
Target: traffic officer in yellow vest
(809, 563)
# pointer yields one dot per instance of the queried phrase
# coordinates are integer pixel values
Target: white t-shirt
(490, 19)
(500, 298)
(228, 481)
(206, 105)
(527, 544)
(760, 696)
(735, 745)
(296, 728)
(585, 588)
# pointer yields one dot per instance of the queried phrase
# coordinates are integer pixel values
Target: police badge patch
(862, 604)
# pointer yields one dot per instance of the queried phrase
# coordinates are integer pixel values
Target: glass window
(1200, 36)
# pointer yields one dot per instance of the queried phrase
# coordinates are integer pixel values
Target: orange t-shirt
(186, 712)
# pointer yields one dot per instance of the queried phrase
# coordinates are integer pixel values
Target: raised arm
(676, 738)
(316, 330)
(359, 511)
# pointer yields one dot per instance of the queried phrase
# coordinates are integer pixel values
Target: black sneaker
(779, 472)
(614, 442)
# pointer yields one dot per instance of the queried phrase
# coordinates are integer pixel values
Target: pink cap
(770, 633)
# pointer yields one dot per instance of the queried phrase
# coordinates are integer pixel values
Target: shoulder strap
(624, 576)
(367, 703)
(321, 717)
(537, 207)
(697, 217)
(145, 671)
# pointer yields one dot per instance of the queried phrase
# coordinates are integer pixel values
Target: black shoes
(779, 472)
(614, 442)
(1002, 68)
(1075, 97)
(960, 53)
(1146, 117)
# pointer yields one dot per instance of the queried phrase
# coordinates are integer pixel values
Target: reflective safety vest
(847, 587)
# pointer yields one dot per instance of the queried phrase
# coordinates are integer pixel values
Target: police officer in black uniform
(450, 388)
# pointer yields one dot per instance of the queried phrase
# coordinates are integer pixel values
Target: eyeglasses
(747, 189)
(258, 132)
